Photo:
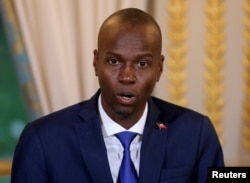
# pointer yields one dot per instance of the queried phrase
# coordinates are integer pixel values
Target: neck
(127, 123)
(124, 118)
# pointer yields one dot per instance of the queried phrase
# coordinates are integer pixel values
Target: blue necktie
(127, 172)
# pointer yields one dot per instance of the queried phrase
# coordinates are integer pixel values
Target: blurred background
(46, 53)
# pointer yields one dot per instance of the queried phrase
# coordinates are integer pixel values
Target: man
(80, 144)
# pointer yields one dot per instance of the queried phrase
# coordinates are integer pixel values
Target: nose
(127, 75)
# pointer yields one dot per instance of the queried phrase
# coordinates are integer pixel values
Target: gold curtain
(214, 62)
(246, 89)
(177, 61)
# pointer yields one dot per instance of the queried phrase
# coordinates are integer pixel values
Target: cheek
(149, 83)
(106, 79)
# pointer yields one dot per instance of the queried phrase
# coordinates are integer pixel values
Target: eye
(142, 64)
(113, 61)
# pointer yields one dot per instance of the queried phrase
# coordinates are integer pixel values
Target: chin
(125, 111)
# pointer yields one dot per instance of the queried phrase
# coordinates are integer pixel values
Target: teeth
(126, 96)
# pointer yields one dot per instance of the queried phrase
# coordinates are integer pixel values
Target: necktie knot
(126, 138)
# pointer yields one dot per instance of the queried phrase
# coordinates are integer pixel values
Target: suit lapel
(94, 152)
(153, 147)
(92, 144)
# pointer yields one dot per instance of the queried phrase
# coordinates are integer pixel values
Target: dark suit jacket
(68, 147)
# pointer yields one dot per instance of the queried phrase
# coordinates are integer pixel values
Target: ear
(160, 67)
(95, 61)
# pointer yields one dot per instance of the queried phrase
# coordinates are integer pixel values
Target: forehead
(122, 35)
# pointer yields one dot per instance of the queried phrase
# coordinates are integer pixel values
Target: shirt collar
(110, 127)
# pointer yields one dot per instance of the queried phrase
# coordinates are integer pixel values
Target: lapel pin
(161, 126)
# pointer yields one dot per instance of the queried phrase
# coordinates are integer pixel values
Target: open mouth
(126, 98)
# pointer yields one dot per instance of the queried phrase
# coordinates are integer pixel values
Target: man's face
(128, 64)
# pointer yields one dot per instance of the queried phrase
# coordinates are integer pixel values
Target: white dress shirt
(113, 144)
